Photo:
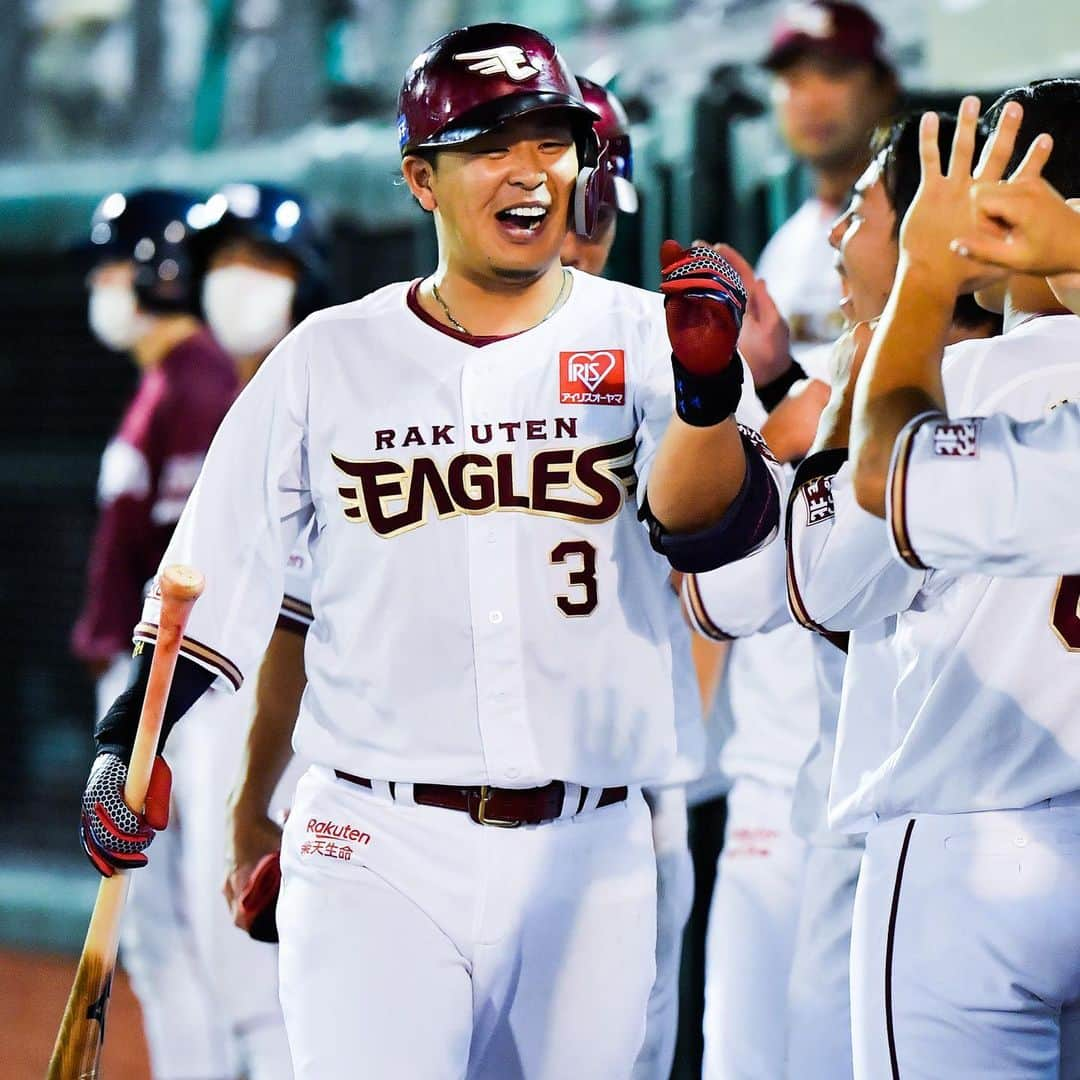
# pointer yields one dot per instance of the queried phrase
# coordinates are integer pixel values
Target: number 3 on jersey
(1065, 612)
(582, 577)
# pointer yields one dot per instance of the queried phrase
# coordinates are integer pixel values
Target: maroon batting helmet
(613, 130)
(472, 80)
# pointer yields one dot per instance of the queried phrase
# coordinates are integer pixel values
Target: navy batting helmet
(153, 227)
(278, 219)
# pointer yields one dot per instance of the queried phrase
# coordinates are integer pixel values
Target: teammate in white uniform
(1013, 510)
(865, 238)
(831, 85)
(514, 665)
(964, 940)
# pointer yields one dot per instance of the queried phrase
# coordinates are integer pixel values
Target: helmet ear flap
(594, 189)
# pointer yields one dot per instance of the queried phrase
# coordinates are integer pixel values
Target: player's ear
(418, 172)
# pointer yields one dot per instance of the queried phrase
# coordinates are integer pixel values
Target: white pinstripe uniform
(965, 933)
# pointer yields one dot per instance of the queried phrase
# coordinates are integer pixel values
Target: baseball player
(489, 673)
(142, 300)
(612, 127)
(865, 239)
(261, 266)
(963, 950)
(832, 84)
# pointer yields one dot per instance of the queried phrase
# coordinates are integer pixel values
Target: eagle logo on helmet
(509, 60)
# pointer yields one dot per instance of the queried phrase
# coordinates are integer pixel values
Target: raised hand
(1023, 224)
(943, 206)
(704, 301)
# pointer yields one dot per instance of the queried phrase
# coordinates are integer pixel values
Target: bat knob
(181, 582)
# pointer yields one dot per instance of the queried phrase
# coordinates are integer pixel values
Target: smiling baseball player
(469, 881)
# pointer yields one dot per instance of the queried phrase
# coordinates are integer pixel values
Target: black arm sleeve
(115, 731)
(749, 523)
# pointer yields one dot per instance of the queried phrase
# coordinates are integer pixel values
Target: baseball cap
(843, 30)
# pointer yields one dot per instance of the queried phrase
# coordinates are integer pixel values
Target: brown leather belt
(505, 808)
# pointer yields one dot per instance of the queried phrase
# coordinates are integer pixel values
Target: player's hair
(900, 177)
(968, 314)
(901, 170)
(1053, 106)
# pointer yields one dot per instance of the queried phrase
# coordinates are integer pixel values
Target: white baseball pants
(674, 898)
(751, 935)
(205, 753)
(965, 947)
(819, 997)
(433, 948)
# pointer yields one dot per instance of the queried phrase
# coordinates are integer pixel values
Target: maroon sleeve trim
(795, 601)
(197, 651)
(299, 610)
(291, 626)
(699, 614)
(897, 492)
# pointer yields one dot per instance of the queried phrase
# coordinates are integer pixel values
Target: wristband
(771, 394)
(705, 400)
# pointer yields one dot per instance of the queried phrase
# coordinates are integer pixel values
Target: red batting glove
(114, 836)
(256, 907)
(704, 302)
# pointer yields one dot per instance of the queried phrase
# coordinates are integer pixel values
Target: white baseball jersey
(798, 266)
(488, 608)
(979, 716)
(990, 495)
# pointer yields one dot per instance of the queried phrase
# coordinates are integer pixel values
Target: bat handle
(180, 587)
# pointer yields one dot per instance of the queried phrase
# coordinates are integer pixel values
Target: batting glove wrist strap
(704, 400)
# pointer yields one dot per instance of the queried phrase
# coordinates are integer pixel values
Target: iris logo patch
(596, 377)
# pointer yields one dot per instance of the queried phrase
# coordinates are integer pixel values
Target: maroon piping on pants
(889, 950)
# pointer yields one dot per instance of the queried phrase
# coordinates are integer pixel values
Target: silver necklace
(461, 329)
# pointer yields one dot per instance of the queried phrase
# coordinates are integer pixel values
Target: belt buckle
(481, 816)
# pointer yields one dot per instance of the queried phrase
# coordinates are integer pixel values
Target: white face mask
(114, 316)
(248, 310)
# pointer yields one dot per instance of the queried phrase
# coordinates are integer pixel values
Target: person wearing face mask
(263, 268)
(143, 301)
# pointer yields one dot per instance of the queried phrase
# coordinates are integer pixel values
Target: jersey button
(495, 617)
(512, 774)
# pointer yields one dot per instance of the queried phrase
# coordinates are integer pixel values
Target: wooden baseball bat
(77, 1053)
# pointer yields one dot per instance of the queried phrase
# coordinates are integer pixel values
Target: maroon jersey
(147, 473)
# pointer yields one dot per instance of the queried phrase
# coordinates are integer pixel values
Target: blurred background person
(832, 85)
(143, 300)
